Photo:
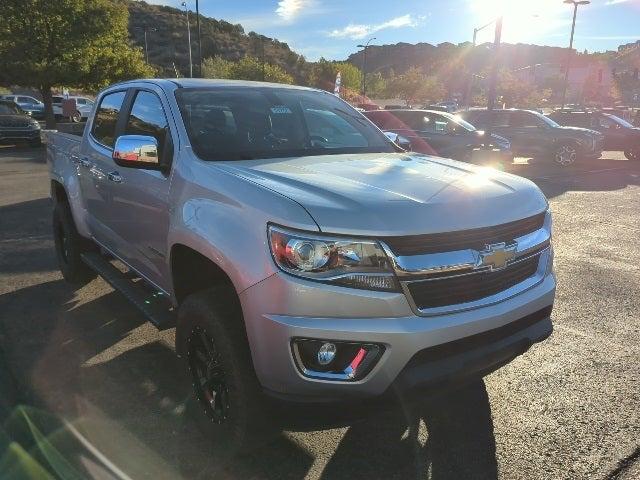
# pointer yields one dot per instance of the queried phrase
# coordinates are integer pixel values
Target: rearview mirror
(137, 151)
(399, 140)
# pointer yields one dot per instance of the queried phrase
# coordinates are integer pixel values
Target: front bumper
(419, 351)
(22, 134)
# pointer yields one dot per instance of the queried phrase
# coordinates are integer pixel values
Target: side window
(104, 124)
(147, 118)
(523, 119)
(25, 100)
(81, 101)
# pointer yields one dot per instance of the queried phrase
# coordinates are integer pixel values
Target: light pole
(493, 79)
(470, 85)
(146, 30)
(575, 4)
(364, 66)
(199, 39)
(186, 10)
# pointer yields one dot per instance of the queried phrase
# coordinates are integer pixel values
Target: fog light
(326, 353)
(334, 359)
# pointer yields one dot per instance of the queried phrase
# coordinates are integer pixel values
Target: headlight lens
(341, 261)
(34, 123)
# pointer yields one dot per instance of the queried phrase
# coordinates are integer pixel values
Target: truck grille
(470, 287)
(476, 238)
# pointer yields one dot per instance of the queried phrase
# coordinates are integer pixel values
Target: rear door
(528, 133)
(139, 209)
(615, 136)
(94, 162)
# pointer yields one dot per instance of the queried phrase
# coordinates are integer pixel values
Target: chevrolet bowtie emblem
(496, 256)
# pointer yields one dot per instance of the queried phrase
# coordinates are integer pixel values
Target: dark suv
(533, 134)
(16, 126)
(618, 133)
(441, 133)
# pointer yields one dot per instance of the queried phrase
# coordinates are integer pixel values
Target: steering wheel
(318, 138)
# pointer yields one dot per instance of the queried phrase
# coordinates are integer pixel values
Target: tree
(415, 86)
(322, 74)
(75, 43)
(247, 68)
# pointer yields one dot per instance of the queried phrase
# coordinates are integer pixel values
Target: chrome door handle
(114, 177)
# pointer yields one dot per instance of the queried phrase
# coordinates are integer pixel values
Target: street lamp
(493, 79)
(470, 84)
(186, 10)
(146, 30)
(364, 66)
(575, 4)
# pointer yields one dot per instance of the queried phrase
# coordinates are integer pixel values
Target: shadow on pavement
(110, 394)
(601, 174)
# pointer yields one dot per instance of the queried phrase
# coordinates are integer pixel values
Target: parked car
(533, 134)
(84, 106)
(31, 106)
(16, 126)
(443, 134)
(618, 133)
(450, 105)
(307, 258)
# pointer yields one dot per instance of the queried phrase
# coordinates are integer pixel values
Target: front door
(139, 213)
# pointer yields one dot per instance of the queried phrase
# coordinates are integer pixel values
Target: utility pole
(364, 66)
(146, 30)
(199, 40)
(472, 76)
(184, 4)
(493, 79)
(575, 4)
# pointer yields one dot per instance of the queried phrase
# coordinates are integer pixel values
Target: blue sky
(333, 28)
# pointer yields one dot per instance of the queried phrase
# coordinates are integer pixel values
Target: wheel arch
(191, 272)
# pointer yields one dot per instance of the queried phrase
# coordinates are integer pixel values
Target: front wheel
(76, 117)
(633, 154)
(227, 403)
(565, 154)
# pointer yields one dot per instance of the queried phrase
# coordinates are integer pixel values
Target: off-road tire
(226, 404)
(69, 246)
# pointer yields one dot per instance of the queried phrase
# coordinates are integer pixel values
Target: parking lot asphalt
(103, 393)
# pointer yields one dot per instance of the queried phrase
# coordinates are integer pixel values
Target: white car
(84, 106)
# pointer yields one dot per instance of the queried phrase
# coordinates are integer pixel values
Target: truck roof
(211, 82)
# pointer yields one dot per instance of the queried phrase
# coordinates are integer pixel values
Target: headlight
(34, 124)
(348, 262)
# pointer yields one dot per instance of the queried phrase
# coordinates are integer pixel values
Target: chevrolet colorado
(299, 253)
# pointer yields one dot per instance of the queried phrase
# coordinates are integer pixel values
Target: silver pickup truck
(299, 253)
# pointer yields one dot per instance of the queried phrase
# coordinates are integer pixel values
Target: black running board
(153, 304)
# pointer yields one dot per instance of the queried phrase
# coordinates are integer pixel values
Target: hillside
(401, 56)
(168, 44)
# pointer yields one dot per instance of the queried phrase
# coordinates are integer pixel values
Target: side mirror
(399, 140)
(137, 151)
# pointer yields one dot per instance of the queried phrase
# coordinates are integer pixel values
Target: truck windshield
(618, 120)
(240, 124)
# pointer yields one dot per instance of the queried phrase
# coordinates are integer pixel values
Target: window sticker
(281, 110)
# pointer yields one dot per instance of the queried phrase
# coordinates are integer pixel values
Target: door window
(104, 124)
(25, 100)
(523, 119)
(147, 117)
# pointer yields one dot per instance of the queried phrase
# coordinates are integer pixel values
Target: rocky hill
(167, 40)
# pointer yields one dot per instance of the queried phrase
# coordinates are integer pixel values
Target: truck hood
(586, 131)
(382, 194)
